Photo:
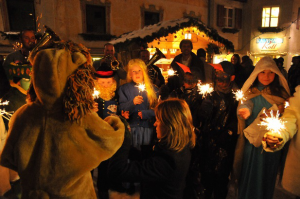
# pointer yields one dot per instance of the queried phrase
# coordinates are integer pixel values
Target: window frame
(107, 6)
(226, 17)
(151, 9)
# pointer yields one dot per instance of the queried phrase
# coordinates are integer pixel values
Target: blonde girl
(136, 105)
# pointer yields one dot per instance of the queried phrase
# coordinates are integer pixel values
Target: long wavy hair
(149, 87)
(176, 121)
(78, 99)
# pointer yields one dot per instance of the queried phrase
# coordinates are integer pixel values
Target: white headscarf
(266, 63)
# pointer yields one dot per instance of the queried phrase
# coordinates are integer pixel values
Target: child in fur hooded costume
(56, 140)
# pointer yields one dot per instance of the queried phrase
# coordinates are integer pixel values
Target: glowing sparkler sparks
(239, 96)
(3, 113)
(171, 72)
(141, 87)
(205, 89)
(96, 94)
(3, 103)
(286, 104)
(273, 123)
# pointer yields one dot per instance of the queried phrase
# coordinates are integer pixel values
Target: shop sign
(269, 43)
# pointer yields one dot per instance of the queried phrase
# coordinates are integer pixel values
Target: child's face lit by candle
(266, 77)
(136, 74)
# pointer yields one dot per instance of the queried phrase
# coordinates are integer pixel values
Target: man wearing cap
(218, 126)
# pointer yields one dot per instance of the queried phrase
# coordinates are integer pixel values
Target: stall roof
(162, 29)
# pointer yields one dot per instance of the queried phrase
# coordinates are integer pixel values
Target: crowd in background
(178, 142)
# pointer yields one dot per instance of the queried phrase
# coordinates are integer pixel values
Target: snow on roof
(148, 30)
(162, 29)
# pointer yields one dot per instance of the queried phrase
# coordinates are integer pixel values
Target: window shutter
(220, 16)
(238, 18)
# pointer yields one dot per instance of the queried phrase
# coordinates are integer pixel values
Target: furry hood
(266, 63)
(51, 68)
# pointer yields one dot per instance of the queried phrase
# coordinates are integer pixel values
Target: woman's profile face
(159, 131)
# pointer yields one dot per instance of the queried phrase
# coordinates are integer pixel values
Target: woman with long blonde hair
(137, 105)
(164, 174)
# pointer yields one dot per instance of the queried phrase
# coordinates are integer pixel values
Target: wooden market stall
(166, 36)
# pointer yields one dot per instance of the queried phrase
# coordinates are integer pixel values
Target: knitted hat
(104, 71)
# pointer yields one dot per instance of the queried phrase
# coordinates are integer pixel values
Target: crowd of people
(159, 137)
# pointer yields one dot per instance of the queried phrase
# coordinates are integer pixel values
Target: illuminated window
(270, 17)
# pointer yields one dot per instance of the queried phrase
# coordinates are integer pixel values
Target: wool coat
(53, 155)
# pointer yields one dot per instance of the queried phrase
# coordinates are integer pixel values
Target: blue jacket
(127, 93)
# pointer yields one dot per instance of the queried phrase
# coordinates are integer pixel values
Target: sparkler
(3, 113)
(141, 87)
(204, 89)
(239, 96)
(273, 123)
(96, 94)
(171, 72)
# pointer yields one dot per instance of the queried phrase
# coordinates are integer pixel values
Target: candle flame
(273, 123)
(239, 96)
(204, 89)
